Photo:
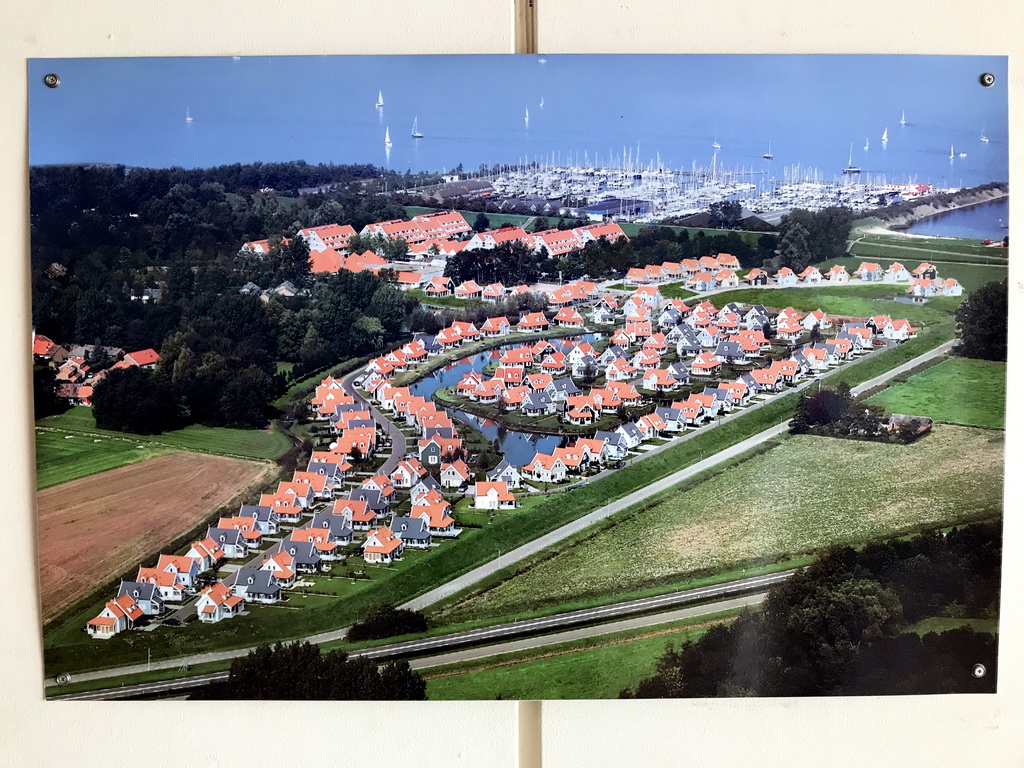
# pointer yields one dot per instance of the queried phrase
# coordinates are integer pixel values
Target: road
(735, 594)
(901, 247)
(530, 548)
(399, 445)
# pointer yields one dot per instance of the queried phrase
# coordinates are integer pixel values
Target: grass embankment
(805, 494)
(956, 391)
(90, 449)
(449, 302)
(594, 668)
(68, 649)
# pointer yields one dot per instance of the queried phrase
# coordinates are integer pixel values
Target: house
(320, 537)
(358, 510)
(730, 352)
(439, 286)
(493, 495)
(117, 616)
(702, 281)
(756, 276)
(568, 317)
(896, 273)
(495, 326)
(169, 586)
(231, 541)
(506, 473)
(408, 281)
(705, 364)
(382, 546)
(207, 553)
(413, 531)
(493, 292)
(469, 289)
(922, 287)
(838, 275)
(533, 322)
(785, 276)
(614, 444)
(869, 272)
(629, 433)
(218, 602)
(810, 275)
(338, 526)
(726, 278)
(925, 271)
(408, 471)
(146, 596)
(899, 330)
(145, 358)
(660, 380)
(950, 287)
(650, 425)
(281, 566)
(185, 568)
(544, 468)
(306, 557)
(256, 585)
(437, 519)
(816, 319)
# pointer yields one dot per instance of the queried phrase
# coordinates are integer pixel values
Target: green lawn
(970, 276)
(59, 459)
(956, 391)
(675, 291)
(452, 302)
(807, 493)
(939, 624)
(597, 668)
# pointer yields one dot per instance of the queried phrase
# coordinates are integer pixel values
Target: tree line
(839, 626)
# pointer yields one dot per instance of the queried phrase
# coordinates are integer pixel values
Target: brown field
(94, 528)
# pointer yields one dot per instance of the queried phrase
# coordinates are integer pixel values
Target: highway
(495, 639)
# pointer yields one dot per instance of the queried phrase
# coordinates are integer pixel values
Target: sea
(986, 221)
(814, 111)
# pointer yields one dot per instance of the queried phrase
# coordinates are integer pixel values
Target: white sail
(867, 144)
(903, 118)
(380, 100)
(527, 118)
(542, 102)
(950, 151)
(188, 116)
(387, 138)
(983, 136)
(885, 135)
(415, 129)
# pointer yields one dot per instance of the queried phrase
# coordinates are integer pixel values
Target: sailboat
(768, 155)
(380, 100)
(885, 135)
(962, 154)
(387, 138)
(714, 142)
(527, 118)
(867, 144)
(903, 118)
(983, 136)
(850, 167)
(188, 118)
(542, 102)
(415, 129)
(950, 151)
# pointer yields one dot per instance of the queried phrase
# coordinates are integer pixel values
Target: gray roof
(445, 432)
(257, 582)
(327, 468)
(410, 528)
(679, 371)
(262, 514)
(428, 482)
(536, 401)
(566, 386)
(303, 552)
(612, 438)
(502, 467)
(373, 498)
(751, 383)
(139, 590)
(631, 429)
(231, 536)
(730, 349)
(250, 288)
(718, 394)
(667, 414)
(340, 526)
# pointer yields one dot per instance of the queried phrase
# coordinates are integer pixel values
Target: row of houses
(74, 379)
(924, 279)
(687, 269)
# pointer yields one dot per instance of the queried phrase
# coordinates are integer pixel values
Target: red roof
(143, 357)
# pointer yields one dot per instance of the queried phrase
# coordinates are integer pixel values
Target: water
(518, 447)
(471, 109)
(978, 222)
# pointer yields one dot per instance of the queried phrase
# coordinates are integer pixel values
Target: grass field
(807, 493)
(59, 460)
(956, 391)
(970, 276)
(597, 668)
(940, 624)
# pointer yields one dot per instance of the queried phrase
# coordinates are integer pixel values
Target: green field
(970, 276)
(89, 450)
(807, 493)
(939, 624)
(596, 668)
(957, 391)
(451, 302)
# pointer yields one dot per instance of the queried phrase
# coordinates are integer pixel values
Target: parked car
(173, 622)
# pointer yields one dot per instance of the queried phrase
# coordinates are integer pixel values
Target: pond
(517, 446)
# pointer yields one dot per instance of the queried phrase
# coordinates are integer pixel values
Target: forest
(841, 626)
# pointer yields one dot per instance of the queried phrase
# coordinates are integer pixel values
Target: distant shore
(897, 226)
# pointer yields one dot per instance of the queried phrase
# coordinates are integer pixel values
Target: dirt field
(96, 527)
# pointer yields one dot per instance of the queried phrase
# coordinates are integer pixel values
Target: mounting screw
(988, 79)
(51, 80)
(978, 670)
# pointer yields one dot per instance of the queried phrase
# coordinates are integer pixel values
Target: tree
(725, 214)
(982, 321)
(793, 251)
(299, 671)
(481, 223)
(387, 621)
(134, 400)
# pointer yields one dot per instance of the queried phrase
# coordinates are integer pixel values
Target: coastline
(898, 226)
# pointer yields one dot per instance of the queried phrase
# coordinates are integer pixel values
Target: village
(616, 376)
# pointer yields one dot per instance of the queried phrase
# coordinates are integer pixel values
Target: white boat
(387, 138)
(885, 135)
(415, 129)
(983, 136)
(903, 118)
(542, 102)
(867, 144)
(714, 142)
(950, 151)
(768, 155)
(962, 154)
(380, 100)
(850, 167)
(527, 118)
(188, 117)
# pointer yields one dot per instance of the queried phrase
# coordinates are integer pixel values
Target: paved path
(399, 444)
(528, 643)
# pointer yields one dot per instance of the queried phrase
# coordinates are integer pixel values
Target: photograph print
(519, 377)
